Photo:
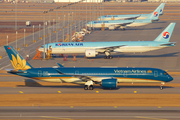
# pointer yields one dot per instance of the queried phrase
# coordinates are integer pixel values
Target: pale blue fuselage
(122, 17)
(107, 23)
(81, 47)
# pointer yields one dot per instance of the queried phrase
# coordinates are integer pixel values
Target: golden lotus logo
(18, 63)
(149, 71)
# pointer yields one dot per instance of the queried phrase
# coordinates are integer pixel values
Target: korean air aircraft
(92, 49)
(159, 9)
(106, 77)
(115, 24)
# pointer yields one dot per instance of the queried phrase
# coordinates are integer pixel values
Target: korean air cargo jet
(159, 9)
(115, 24)
(92, 49)
(106, 77)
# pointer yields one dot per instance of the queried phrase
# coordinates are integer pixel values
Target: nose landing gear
(161, 87)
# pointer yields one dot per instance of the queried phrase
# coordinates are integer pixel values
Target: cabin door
(76, 72)
(39, 73)
(155, 73)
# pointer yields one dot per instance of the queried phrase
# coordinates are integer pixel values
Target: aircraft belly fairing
(138, 48)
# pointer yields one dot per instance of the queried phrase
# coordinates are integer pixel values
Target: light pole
(75, 17)
(24, 37)
(90, 14)
(7, 39)
(49, 31)
(63, 27)
(33, 33)
(15, 15)
(39, 30)
(79, 16)
(100, 9)
(68, 28)
(44, 32)
(82, 14)
(86, 16)
(16, 39)
(53, 24)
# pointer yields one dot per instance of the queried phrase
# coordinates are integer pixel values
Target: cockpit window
(165, 73)
(42, 46)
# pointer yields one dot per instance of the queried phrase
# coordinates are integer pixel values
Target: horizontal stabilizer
(167, 44)
(60, 65)
(131, 18)
(14, 71)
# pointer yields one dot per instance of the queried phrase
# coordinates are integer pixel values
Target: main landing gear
(108, 55)
(88, 85)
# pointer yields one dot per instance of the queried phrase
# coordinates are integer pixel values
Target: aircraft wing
(84, 77)
(114, 26)
(109, 49)
(131, 18)
(166, 44)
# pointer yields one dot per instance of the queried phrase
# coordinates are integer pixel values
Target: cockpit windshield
(165, 73)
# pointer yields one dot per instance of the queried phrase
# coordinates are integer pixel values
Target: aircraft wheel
(85, 87)
(105, 57)
(91, 87)
(110, 57)
(161, 87)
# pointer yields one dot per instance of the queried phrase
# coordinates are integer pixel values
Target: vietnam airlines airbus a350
(92, 49)
(159, 9)
(115, 24)
(106, 77)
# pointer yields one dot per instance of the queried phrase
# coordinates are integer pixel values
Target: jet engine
(109, 83)
(91, 53)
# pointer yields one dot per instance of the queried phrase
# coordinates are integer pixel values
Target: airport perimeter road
(70, 112)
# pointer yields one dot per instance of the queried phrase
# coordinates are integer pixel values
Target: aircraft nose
(170, 78)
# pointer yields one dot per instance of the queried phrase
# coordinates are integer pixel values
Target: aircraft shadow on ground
(144, 28)
(174, 54)
(33, 83)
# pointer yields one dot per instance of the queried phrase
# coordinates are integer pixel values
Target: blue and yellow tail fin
(18, 62)
(166, 34)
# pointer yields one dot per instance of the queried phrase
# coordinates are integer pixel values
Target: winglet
(166, 34)
(18, 62)
(60, 65)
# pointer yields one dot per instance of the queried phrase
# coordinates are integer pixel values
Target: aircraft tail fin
(155, 14)
(18, 62)
(160, 9)
(166, 33)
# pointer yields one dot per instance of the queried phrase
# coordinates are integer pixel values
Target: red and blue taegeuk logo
(166, 35)
(155, 14)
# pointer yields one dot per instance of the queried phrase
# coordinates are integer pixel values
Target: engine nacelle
(91, 53)
(109, 83)
(111, 27)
